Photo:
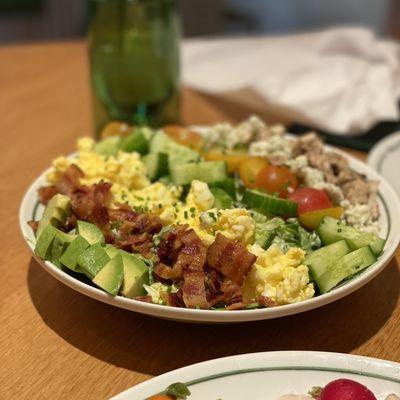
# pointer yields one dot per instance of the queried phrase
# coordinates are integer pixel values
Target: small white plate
(262, 376)
(390, 213)
(384, 157)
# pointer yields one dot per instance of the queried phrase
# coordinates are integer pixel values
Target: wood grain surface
(58, 344)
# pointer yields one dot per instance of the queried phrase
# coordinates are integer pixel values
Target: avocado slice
(110, 277)
(45, 241)
(61, 241)
(93, 259)
(136, 272)
(55, 213)
(90, 232)
(73, 251)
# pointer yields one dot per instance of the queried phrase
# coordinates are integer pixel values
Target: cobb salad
(232, 218)
(339, 389)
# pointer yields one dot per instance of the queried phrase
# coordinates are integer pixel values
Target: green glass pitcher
(134, 61)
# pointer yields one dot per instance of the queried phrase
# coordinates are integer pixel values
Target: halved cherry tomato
(346, 389)
(311, 219)
(233, 158)
(160, 397)
(184, 136)
(275, 179)
(249, 169)
(115, 128)
(310, 199)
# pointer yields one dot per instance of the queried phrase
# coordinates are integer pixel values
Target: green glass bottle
(134, 61)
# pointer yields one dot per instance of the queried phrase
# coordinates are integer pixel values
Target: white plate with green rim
(269, 375)
(389, 205)
(385, 158)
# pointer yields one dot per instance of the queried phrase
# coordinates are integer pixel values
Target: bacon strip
(230, 258)
(122, 227)
(185, 252)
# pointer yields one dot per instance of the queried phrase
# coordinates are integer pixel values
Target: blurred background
(22, 20)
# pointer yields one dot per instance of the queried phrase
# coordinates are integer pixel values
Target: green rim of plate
(288, 368)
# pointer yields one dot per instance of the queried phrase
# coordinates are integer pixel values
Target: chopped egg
(157, 198)
(279, 276)
(198, 200)
(237, 224)
(124, 170)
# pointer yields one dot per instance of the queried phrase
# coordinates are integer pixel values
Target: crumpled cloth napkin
(342, 80)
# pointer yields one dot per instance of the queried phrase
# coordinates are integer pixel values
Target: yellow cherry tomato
(311, 219)
(249, 169)
(184, 136)
(115, 128)
(233, 158)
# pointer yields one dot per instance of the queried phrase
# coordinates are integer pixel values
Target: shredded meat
(182, 256)
(357, 189)
(231, 258)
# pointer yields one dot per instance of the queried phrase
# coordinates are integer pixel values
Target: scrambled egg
(280, 276)
(156, 198)
(198, 200)
(207, 222)
(125, 170)
(235, 223)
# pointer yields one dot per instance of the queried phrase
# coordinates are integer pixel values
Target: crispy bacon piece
(266, 301)
(122, 227)
(45, 193)
(182, 257)
(34, 225)
(231, 258)
(144, 299)
(69, 181)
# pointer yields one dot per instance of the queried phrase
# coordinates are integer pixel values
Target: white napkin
(342, 80)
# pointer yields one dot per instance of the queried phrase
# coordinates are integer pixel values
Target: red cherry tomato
(346, 389)
(274, 179)
(310, 199)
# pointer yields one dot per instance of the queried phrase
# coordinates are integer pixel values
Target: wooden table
(58, 344)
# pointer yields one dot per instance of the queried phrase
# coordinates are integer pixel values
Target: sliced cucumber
(267, 204)
(222, 200)
(319, 261)
(332, 230)
(207, 171)
(228, 185)
(136, 141)
(345, 267)
(177, 153)
(156, 164)
(108, 146)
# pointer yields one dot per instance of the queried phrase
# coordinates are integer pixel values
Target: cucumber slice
(177, 153)
(156, 164)
(319, 261)
(268, 204)
(222, 200)
(332, 230)
(345, 267)
(136, 141)
(108, 146)
(207, 171)
(228, 185)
